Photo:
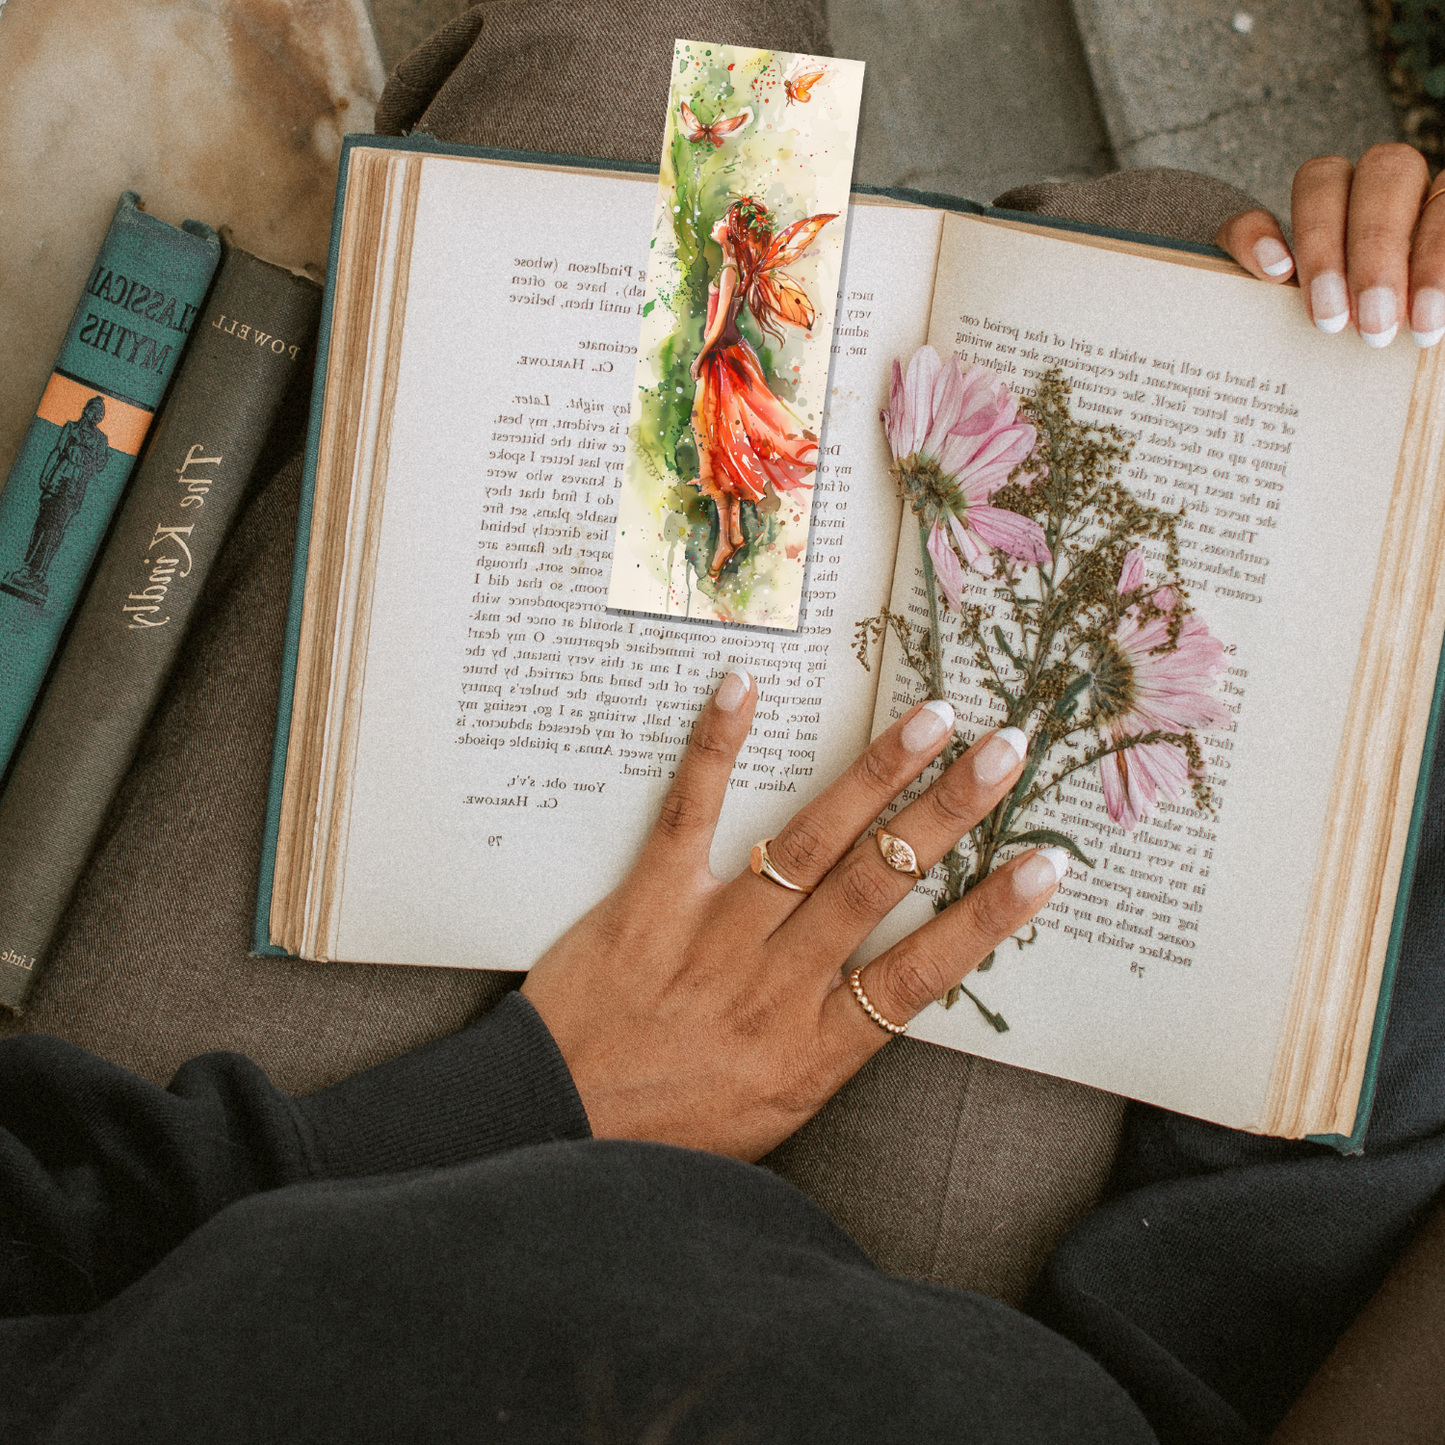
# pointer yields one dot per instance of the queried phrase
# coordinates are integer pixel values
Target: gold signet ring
(762, 865)
(898, 855)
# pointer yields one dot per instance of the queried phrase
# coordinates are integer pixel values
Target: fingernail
(1038, 874)
(934, 720)
(1273, 259)
(733, 690)
(1330, 302)
(1378, 323)
(1427, 320)
(999, 756)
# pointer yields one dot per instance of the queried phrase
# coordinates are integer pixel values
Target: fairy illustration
(747, 438)
(723, 449)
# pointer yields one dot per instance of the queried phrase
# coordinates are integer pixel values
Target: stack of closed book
(173, 370)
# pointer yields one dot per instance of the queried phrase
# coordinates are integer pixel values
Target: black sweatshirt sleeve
(102, 1173)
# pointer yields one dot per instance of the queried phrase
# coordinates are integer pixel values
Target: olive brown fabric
(1156, 201)
(945, 1167)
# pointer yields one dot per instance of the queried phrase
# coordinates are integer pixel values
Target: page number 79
(494, 840)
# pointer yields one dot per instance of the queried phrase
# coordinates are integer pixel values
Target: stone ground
(974, 98)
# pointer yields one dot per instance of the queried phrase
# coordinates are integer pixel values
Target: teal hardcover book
(1236, 967)
(120, 352)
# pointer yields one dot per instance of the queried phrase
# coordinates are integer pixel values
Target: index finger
(1255, 240)
(682, 835)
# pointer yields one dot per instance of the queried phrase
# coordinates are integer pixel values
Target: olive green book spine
(254, 333)
(123, 345)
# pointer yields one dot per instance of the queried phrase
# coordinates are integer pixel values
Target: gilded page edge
(345, 539)
(1308, 1070)
(333, 881)
(299, 786)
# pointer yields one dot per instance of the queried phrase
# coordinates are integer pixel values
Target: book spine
(253, 335)
(120, 351)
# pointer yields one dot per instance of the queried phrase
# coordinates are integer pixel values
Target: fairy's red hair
(772, 296)
(750, 233)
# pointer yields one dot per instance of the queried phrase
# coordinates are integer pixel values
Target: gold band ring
(1434, 195)
(898, 855)
(762, 865)
(855, 982)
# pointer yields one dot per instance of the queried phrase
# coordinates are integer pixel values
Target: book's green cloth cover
(261, 938)
(120, 352)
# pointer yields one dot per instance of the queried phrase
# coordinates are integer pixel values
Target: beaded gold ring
(855, 982)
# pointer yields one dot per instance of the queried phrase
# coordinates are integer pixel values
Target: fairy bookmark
(737, 332)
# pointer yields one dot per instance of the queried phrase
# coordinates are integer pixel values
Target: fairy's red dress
(749, 436)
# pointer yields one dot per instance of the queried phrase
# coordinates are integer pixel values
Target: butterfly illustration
(718, 131)
(803, 74)
(772, 294)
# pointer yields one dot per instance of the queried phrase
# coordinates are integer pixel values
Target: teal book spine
(122, 347)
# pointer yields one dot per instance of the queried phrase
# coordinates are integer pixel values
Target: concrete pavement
(972, 98)
(1240, 89)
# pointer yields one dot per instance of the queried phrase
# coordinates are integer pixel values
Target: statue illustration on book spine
(724, 445)
(80, 453)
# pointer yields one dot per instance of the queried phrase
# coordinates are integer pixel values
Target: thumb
(1255, 240)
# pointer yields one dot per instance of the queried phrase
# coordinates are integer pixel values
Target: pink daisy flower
(955, 437)
(1143, 684)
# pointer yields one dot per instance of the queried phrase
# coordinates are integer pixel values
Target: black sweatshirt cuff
(499, 1084)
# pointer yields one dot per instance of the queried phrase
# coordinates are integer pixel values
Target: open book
(472, 746)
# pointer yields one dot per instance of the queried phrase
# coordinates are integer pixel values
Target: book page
(516, 738)
(1164, 972)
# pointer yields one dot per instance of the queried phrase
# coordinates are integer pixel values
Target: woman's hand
(695, 370)
(1369, 244)
(715, 1014)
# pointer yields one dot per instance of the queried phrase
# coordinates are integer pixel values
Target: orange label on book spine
(124, 424)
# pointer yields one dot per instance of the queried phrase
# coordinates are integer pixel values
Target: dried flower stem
(1082, 622)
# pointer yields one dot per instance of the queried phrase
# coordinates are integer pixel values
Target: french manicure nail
(1378, 322)
(1330, 302)
(999, 756)
(1273, 259)
(1038, 874)
(733, 689)
(1427, 318)
(1016, 740)
(932, 722)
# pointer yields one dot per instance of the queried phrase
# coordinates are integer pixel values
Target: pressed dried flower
(1145, 682)
(955, 437)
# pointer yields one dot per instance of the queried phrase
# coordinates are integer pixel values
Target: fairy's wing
(789, 245)
(725, 127)
(770, 292)
(692, 127)
(800, 89)
(777, 295)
